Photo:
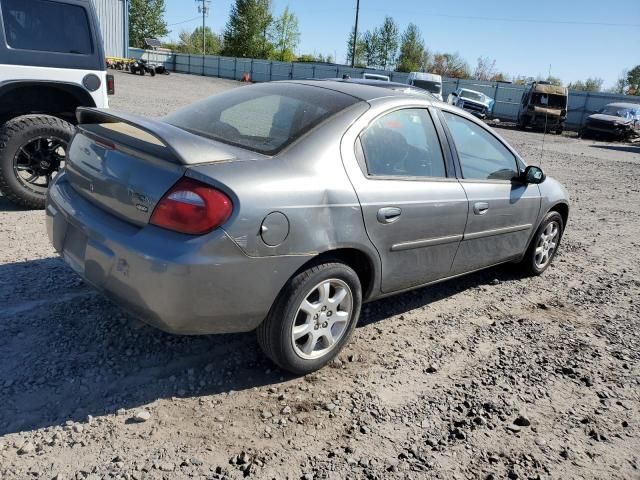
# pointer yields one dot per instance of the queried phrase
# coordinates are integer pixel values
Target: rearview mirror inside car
(533, 174)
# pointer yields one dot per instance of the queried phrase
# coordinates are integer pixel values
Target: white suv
(51, 62)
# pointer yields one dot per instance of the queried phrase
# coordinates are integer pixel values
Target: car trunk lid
(125, 164)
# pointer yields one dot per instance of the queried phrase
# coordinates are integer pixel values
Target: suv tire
(21, 132)
(319, 307)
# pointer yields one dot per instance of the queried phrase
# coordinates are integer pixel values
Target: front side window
(403, 143)
(482, 156)
(264, 118)
(47, 26)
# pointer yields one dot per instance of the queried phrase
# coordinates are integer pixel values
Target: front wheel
(313, 318)
(544, 245)
(33, 149)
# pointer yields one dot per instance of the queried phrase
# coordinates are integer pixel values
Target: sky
(576, 39)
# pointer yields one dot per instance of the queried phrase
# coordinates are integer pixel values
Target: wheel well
(58, 99)
(563, 210)
(354, 258)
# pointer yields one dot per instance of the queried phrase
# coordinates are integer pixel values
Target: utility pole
(355, 36)
(204, 9)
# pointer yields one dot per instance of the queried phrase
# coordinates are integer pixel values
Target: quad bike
(141, 67)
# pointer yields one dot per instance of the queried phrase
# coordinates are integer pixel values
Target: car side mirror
(533, 174)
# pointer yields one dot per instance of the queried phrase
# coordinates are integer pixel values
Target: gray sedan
(284, 206)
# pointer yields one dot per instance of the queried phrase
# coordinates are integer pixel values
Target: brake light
(111, 85)
(192, 207)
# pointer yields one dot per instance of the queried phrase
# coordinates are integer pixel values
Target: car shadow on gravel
(68, 353)
(7, 206)
(619, 148)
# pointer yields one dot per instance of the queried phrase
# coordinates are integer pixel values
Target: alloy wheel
(37, 162)
(546, 244)
(322, 319)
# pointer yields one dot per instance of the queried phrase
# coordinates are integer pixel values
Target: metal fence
(507, 96)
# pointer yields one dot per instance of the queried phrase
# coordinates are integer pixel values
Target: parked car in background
(544, 106)
(51, 62)
(284, 206)
(430, 82)
(620, 120)
(376, 76)
(476, 103)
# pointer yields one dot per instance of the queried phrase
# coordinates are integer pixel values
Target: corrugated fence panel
(112, 16)
(507, 96)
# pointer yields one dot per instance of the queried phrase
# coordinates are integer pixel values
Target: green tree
(389, 41)
(412, 52)
(213, 42)
(285, 36)
(359, 60)
(633, 81)
(371, 47)
(246, 32)
(589, 85)
(146, 20)
(554, 80)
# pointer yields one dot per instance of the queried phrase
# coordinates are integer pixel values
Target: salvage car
(281, 207)
(620, 120)
(476, 103)
(431, 82)
(544, 106)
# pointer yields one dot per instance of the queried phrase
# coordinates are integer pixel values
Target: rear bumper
(178, 283)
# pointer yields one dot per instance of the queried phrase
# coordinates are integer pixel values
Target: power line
(519, 20)
(184, 21)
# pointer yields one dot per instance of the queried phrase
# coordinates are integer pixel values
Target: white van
(430, 82)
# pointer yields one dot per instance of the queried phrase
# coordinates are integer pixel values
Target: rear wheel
(33, 149)
(544, 245)
(313, 318)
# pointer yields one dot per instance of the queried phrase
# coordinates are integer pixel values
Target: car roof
(623, 105)
(366, 90)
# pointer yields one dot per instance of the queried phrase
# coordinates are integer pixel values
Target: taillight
(192, 207)
(111, 85)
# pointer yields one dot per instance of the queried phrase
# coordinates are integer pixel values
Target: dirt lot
(488, 376)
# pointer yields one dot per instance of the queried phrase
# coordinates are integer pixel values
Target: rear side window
(48, 26)
(264, 118)
(403, 143)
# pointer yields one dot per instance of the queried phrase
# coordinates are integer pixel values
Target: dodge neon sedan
(282, 207)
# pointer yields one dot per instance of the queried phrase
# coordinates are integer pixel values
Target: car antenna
(546, 119)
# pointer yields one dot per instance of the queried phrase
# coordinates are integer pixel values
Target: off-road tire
(528, 264)
(15, 133)
(274, 334)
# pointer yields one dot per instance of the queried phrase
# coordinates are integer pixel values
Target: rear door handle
(388, 214)
(480, 208)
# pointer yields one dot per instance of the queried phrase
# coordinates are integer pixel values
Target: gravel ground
(487, 376)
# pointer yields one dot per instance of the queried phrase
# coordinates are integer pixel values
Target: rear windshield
(46, 26)
(264, 118)
(428, 85)
(543, 99)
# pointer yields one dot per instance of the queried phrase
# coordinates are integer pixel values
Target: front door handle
(480, 208)
(388, 214)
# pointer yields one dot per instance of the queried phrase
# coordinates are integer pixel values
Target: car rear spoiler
(172, 143)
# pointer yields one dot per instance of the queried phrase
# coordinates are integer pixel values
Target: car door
(502, 210)
(414, 208)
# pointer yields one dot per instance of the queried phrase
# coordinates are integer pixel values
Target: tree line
(253, 31)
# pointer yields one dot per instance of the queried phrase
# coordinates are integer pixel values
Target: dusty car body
(544, 106)
(620, 120)
(283, 206)
(476, 103)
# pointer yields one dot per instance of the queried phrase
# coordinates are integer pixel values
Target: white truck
(51, 62)
(431, 82)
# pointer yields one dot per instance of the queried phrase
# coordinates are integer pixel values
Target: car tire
(309, 310)
(546, 240)
(15, 136)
